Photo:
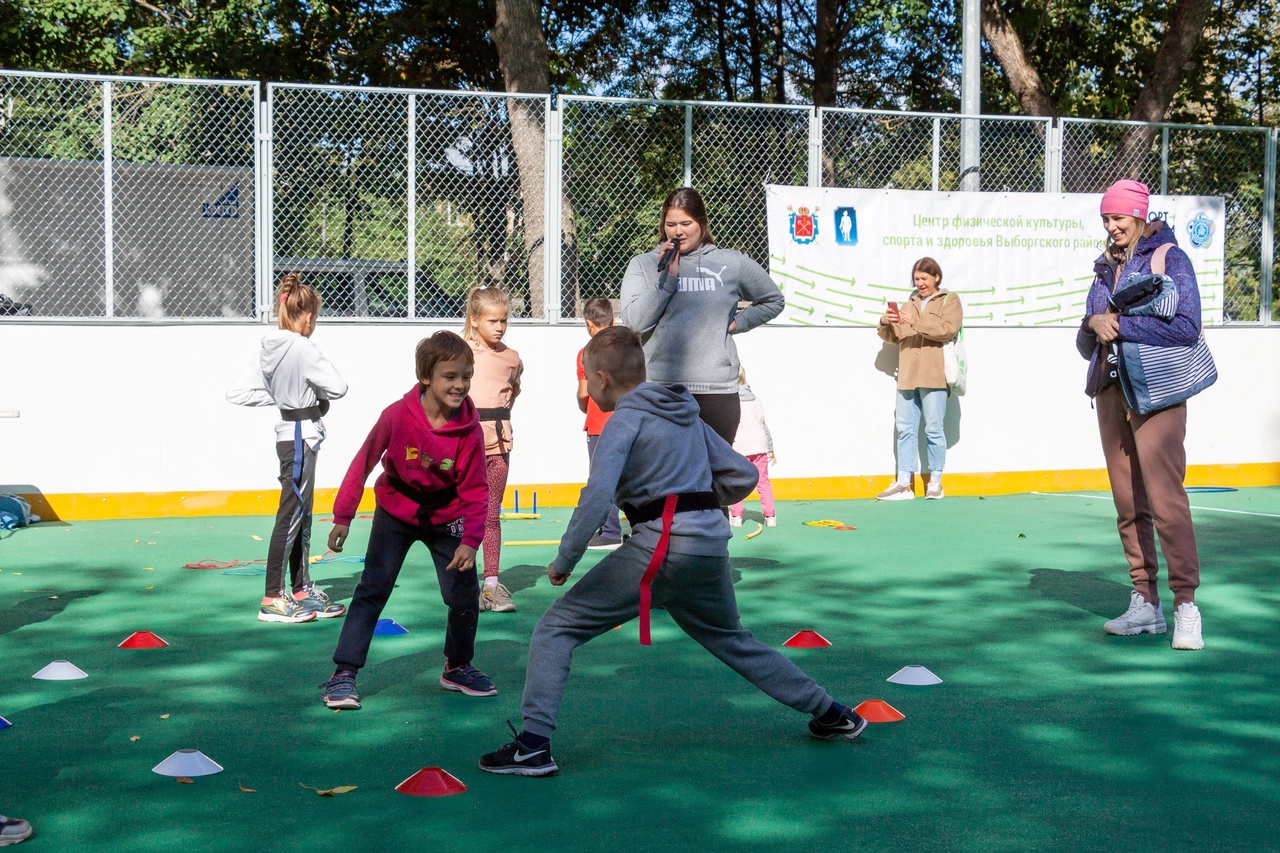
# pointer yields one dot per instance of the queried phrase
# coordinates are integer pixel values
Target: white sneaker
(770, 521)
(897, 492)
(735, 521)
(1186, 627)
(934, 492)
(1141, 618)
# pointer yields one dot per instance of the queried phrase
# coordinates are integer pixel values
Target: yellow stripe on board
(116, 505)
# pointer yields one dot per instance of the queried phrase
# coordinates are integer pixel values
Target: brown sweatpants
(1147, 463)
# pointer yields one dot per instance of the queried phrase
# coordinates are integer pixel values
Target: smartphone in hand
(893, 306)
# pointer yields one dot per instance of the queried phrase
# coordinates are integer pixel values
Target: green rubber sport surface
(1045, 734)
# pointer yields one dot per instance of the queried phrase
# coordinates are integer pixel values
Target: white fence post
(411, 254)
(108, 204)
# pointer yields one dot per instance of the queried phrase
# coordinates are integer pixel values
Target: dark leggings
(721, 412)
(389, 543)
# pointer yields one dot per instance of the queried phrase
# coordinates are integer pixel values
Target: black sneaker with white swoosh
(516, 759)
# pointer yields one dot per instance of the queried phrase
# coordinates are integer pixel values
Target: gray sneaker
(318, 602)
(897, 492)
(13, 830)
(1141, 618)
(497, 599)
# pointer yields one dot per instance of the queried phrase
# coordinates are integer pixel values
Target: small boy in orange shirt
(597, 312)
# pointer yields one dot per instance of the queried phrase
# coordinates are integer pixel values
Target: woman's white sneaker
(897, 492)
(1142, 617)
(1186, 627)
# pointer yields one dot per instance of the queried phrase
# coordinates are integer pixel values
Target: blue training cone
(4, 724)
(389, 628)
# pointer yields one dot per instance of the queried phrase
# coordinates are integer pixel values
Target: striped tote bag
(1155, 378)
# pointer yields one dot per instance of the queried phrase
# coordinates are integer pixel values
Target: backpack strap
(1157, 258)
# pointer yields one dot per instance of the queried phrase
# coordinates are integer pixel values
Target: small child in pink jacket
(754, 442)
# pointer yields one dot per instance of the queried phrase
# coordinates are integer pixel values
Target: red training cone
(879, 711)
(142, 640)
(431, 782)
(807, 640)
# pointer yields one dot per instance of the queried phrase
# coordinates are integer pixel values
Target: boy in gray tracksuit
(665, 468)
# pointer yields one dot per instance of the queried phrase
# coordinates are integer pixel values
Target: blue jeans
(932, 403)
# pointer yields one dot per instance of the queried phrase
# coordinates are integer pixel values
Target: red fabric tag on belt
(655, 563)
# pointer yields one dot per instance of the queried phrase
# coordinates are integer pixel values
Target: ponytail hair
(479, 299)
(294, 300)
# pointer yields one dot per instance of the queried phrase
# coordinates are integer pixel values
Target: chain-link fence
(912, 151)
(139, 198)
(623, 157)
(380, 244)
(126, 197)
(1187, 160)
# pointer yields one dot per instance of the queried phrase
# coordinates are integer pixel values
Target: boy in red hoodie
(432, 490)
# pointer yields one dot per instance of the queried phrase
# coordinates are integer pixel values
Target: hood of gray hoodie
(672, 403)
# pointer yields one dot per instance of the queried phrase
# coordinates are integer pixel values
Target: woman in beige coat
(929, 319)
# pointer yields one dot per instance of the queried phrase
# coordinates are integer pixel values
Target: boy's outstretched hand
(338, 537)
(555, 577)
(464, 559)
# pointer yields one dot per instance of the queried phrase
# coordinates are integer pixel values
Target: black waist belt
(688, 502)
(426, 501)
(310, 413)
(499, 417)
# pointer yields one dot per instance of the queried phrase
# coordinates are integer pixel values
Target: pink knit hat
(1127, 198)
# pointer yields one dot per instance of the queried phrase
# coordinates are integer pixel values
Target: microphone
(669, 255)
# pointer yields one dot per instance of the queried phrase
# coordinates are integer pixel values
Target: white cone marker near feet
(914, 674)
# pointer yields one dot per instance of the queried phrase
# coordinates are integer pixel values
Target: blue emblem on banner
(1200, 229)
(846, 226)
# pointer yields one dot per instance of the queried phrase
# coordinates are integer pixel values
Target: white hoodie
(289, 372)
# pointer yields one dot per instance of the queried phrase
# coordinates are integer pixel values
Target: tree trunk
(1182, 34)
(780, 56)
(1173, 58)
(1021, 75)
(755, 46)
(523, 58)
(826, 53)
(722, 50)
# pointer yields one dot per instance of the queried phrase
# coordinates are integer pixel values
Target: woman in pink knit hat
(1146, 459)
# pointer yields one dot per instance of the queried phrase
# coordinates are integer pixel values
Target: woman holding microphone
(683, 300)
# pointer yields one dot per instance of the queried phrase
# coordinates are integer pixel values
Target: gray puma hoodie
(685, 323)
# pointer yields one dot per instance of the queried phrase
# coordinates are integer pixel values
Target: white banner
(1017, 259)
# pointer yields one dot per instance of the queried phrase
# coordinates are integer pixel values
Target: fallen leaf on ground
(246, 790)
(135, 738)
(184, 780)
(329, 792)
(164, 716)
(257, 538)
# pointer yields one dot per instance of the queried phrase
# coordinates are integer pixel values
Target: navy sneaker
(468, 680)
(516, 759)
(849, 726)
(340, 692)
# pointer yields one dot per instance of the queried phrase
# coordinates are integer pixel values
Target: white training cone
(61, 670)
(187, 762)
(914, 674)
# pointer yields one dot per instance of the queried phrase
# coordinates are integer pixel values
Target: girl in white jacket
(292, 374)
(754, 442)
